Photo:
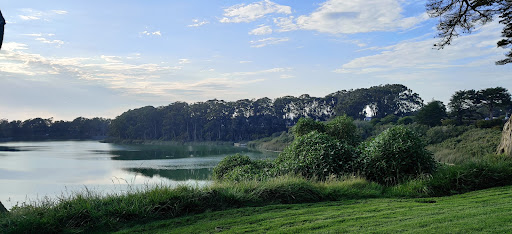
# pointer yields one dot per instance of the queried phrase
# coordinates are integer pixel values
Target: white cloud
(251, 12)
(148, 33)
(262, 30)
(46, 41)
(272, 70)
(349, 17)
(284, 76)
(29, 14)
(198, 23)
(29, 17)
(60, 12)
(268, 41)
(245, 62)
(467, 51)
(184, 61)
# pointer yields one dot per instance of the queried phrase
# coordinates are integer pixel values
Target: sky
(64, 59)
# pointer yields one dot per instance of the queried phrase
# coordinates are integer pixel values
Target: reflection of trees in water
(170, 152)
(175, 174)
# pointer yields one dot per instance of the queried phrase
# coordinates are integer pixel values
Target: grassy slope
(474, 144)
(481, 211)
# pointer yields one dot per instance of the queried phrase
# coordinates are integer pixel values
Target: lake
(30, 171)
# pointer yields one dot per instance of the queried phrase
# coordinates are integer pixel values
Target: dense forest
(245, 120)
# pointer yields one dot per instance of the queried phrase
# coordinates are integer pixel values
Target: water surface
(32, 170)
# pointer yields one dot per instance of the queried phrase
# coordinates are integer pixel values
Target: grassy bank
(90, 212)
(472, 145)
(487, 211)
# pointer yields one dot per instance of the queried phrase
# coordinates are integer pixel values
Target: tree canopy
(461, 16)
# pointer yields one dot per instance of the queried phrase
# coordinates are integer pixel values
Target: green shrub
(240, 167)
(343, 129)
(395, 155)
(389, 119)
(316, 155)
(405, 120)
(307, 125)
(493, 123)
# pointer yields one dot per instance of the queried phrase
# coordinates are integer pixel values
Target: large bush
(240, 167)
(307, 125)
(395, 155)
(316, 155)
(343, 129)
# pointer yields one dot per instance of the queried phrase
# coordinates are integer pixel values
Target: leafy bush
(316, 155)
(343, 129)
(405, 120)
(307, 125)
(240, 167)
(395, 155)
(389, 119)
(493, 123)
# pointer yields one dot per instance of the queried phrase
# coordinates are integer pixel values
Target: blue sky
(65, 59)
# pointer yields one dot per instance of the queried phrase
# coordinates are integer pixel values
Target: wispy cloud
(29, 14)
(184, 61)
(148, 33)
(252, 73)
(251, 12)
(198, 23)
(58, 43)
(268, 41)
(472, 50)
(349, 17)
(120, 73)
(261, 30)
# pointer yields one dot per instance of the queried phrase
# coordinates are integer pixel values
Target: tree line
(39, 128)
(243, 120)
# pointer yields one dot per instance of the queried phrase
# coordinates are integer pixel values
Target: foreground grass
(481, 211)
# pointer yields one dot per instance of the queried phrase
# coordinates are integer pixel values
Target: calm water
(32, 170)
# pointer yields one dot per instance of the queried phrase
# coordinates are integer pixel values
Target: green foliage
(316, 155)
(240, 167)
(473, 144)
(494, 123)
(344, 130)
(307, 125)
(431, 114)
(395, 155)
(364, 129)
(389, 119)
(405, 120)
(439, 134)
(471, 176)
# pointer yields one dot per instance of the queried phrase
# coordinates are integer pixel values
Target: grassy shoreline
(90, 212)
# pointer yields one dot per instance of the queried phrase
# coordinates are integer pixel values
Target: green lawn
(481, 211)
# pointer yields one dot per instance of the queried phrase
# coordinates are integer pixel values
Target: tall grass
(88, 211)
(472, 145)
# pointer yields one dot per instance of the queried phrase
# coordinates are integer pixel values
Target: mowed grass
(480, 211)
